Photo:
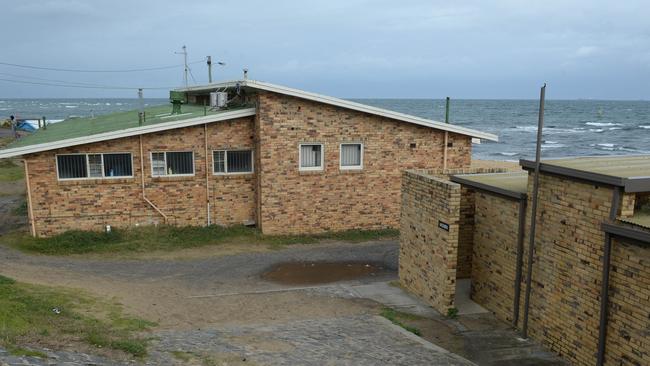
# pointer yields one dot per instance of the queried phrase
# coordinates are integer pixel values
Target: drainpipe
(520, 259)
(207, 176)
(144, 197)
(444, 161)
(533, 214)
(604, 291)
(30, 212)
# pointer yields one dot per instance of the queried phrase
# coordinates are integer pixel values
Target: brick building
(239, 152)
(590, 282)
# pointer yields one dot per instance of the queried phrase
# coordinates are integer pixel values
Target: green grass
(27, 317)
(182, 355)
(169, 238)
(10, 171)
(398, 318)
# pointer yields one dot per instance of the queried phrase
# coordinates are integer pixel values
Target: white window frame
(225, 162)
(350, 167)
(322, 157)
(166, 167)
(56, 164)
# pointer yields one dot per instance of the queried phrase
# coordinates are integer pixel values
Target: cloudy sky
(346, 48)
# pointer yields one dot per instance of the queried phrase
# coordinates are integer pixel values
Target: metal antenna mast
(184, 53)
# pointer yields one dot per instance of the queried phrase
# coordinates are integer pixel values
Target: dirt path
(165, 290)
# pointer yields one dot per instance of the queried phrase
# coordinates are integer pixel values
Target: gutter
(30, 212)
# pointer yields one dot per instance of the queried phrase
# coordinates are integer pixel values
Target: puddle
(309, 273)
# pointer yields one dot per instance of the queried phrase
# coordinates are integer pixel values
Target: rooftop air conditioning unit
(218, 99)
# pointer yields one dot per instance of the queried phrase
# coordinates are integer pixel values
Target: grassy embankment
(401, 319)
(39, 316)
(170, 238)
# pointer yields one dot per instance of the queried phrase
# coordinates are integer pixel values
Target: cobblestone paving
(360, 340)
(56, 358)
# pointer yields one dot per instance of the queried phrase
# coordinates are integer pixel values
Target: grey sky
(346, 48)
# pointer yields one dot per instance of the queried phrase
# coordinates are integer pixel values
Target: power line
(96, 71)
(83, 86)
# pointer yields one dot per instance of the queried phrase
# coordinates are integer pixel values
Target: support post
(207, 176)
(604, 290)
(533, 213)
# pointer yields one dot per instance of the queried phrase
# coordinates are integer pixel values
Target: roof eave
(349, 105)
(519, 196)
(134, 131)
(574, 173)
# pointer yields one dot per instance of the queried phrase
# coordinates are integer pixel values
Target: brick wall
(92, 203)
(628, 329)
(466, 233)
(428, 254)
(304, 202)
(496, 226)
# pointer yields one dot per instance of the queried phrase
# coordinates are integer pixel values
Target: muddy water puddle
(310, 273)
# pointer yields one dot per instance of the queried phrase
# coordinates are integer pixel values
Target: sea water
(571, 127)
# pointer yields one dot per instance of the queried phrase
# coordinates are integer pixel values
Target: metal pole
(210, 69)
(141, 112)
(447, 111)
(604, 291)
(533, 213)
(519, 261)
(446, 141)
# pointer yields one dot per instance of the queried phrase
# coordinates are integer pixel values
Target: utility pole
(533, 213)
(184, 53)
(209, 69)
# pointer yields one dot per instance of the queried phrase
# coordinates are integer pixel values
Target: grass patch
(398, 318)
(10, 171)
(25, 352)
(39, 315)
(169, 238)
(20, 210)
(182, 356)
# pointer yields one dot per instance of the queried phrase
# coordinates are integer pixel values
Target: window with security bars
(311, 157)
(172, 163)
(97, 166)
(232, 161)
(351, 156)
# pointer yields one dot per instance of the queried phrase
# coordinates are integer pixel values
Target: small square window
(233, 161)
(172, 163)
(351, 156)
(311, 157)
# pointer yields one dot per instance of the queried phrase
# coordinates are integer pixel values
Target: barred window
(311, 156)
(351, 156)
(96, 166)
(233, 161)
(172, 163)
(117, 165)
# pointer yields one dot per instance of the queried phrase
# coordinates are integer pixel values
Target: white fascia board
(134, 131)
(347, 104)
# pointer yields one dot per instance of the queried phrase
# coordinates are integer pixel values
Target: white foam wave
(72, 106)
(596, 130)
(602, 124)
(646, 127)
(606, 145)
(508, 153)
(552, 146)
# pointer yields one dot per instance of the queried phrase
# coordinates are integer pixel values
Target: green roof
(511, 184)
(615, 166)
(87, 126)
(641, 217)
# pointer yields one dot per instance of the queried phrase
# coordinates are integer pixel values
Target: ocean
(571, 127)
